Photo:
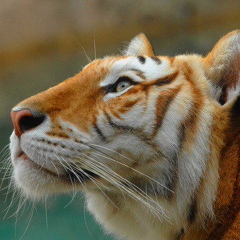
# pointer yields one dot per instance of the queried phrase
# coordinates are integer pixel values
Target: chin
(37, 183)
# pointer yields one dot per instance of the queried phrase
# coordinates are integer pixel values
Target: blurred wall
(41, 41)
(44, 42)
(38, 37)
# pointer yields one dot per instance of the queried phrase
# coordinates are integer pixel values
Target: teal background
(59, 219)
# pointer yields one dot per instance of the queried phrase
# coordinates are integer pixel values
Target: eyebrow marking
(156, 60)
(136, 70)
(141, 59)
(166, 80)
(139, 73)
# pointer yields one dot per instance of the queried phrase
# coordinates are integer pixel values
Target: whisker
(21, 203)
(4, 149)
(95, 181)
(68, 167)
(46, 214)
(29, 221)
(110, 150)
(85, 219)
(135, 170)
(135, 192)
(85, 54)
(12, 201)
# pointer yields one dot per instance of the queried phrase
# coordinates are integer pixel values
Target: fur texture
(152, 141)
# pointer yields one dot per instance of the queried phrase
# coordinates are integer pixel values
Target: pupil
(124, 85)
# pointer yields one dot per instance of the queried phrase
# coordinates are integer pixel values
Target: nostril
(30, 122)
(25, 120)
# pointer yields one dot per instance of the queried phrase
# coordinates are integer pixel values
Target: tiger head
(138, 125)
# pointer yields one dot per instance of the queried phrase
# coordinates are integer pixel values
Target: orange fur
(193, 93)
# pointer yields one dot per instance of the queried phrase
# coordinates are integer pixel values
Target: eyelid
(112, 87)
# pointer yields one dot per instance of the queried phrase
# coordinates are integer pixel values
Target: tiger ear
(139, 46)
(222, 67)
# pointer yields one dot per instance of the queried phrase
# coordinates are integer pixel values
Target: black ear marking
(235, 111)
(235, 118)
(233, 125)
(223, 97)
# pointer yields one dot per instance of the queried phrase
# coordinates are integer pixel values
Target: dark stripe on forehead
(141, 59)
(156, 60)
(138, 73)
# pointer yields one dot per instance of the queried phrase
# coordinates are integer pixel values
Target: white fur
(126, 67)
(234, 92)
(138, 46)
(122, 210)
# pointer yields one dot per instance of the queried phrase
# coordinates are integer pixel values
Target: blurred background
(44, 42)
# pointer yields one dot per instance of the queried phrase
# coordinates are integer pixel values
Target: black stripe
(100, 134)
(136, 70)
(168, 179)
(117, 126)
(165, 102)
(166, 80)
(180, 234)
(192, 211)
(168, 176)
(137, 132)
(142, 59)
(156, 60)
(235, 119)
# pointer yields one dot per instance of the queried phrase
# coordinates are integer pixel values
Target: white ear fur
(139, 46)
(222, 65)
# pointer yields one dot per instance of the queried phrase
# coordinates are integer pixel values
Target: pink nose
(24, 120)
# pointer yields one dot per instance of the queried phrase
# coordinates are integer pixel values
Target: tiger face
(146, 128)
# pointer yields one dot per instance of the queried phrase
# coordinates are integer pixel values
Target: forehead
(111, 68)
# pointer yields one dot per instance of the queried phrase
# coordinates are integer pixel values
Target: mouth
(23, 156)
(72, 174)
(80, 175)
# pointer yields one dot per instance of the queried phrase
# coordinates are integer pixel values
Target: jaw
(38, 177)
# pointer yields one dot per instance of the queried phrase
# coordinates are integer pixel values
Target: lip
(23, 156)
(75, 175)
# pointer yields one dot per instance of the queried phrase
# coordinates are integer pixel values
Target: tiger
(152, 142)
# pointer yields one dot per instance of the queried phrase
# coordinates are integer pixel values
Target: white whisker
(121, 183)
(129, 167)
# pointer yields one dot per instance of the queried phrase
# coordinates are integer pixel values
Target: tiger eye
(122, 86)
